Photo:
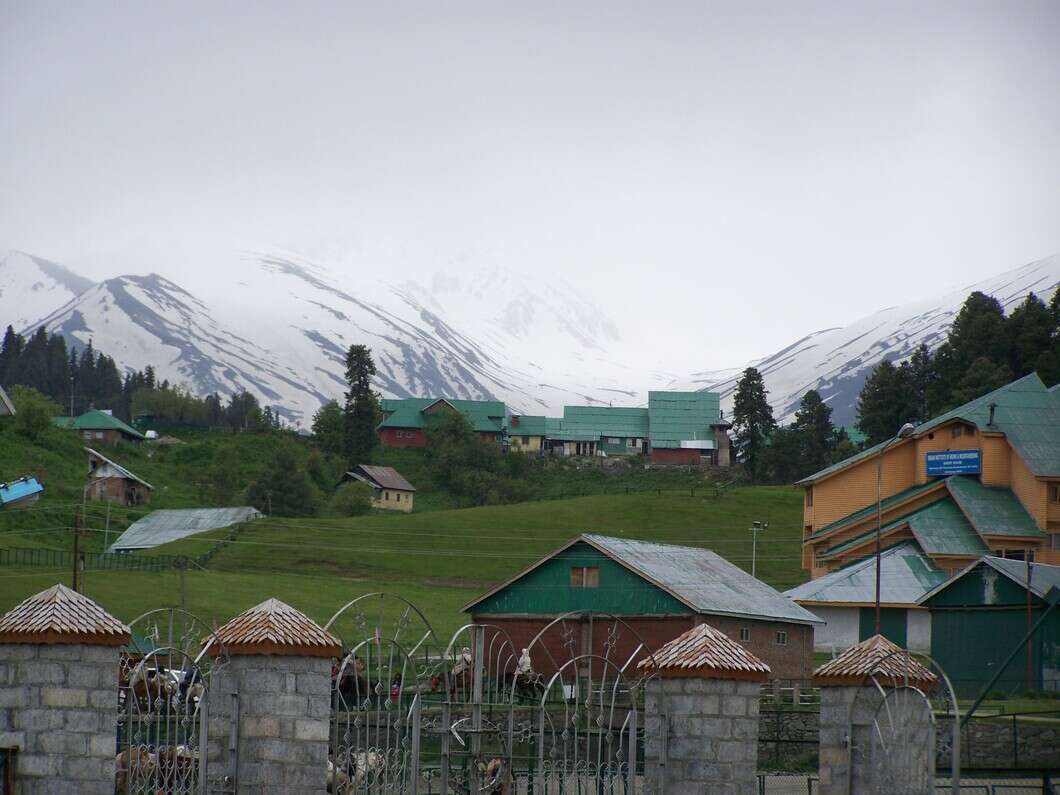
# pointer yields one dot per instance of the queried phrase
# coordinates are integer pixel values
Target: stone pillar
(701, 715)
(279, 668)
(59, 655)
(851, 701)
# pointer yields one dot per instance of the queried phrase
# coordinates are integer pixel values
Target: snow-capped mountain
(279, 326)
(31, 287)
(837, 361)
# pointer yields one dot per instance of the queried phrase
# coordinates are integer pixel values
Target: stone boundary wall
(58, 706)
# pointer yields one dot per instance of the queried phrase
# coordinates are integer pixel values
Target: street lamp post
(904, 433)
(755, 527)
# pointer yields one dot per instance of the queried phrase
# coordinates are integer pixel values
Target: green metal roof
(939, 528)
(529, 425)
(855, 434)
(682, 416)
(1025, 411)
(993, 511)
(486, 416)
(907, 574)
(96, 420)
(1044, 577)
(870, 510)
(606, 421)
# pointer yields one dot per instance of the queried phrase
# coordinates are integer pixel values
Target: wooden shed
(111, 482)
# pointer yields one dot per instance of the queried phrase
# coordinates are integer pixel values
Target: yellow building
(392, 491)
(526, 432)
(981, 479)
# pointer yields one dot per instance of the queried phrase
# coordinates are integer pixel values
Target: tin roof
(161, 527)
(484, 415)
(20, 489)
(1043, 576)
(707, 652)
(597, 421)
(992, 511)
(528, 425)
(380, 477)
(1025, 411)
(7, 408)
(885, 505)
(60, 615)
(682, 416)
(274, 627)
(698, 578)
(906, 575)
(874, 657)
(96, 420)
(119, 470)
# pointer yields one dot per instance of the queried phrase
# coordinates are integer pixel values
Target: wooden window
(745, 633)
(957, 430)
(781, 638)
(1054, 492)
(386, 496)
(526, 440)
(585, 577)
(397, 497)
(809, 496)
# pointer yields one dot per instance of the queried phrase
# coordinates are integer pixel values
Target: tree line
(985, 349)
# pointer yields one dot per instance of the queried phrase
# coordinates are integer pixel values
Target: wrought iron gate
(163, 682)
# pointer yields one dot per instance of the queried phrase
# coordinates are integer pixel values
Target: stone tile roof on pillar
(874, 658)
(707, 653)
(274, 627)
(61, 615)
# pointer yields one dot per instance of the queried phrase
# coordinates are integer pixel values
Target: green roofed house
(595, 430)
(526, 432)
(688, 428)
(100, 428)
(405, 420)
(657, 591)
(980, 616)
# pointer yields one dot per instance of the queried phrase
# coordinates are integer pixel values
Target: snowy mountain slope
(837, 361)
(31, 287)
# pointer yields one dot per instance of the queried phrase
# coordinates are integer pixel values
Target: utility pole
(106, 529)
(79, 555)
(755, 528)
(1030, 623)
(182, 567)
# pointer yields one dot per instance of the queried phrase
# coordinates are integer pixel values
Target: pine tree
(10, 353)
(58, 370)
(328, 428)
(982, 377)
(886, 401)
(361, 413)
(33, 363)
(814, 432)
(978, 331)
(1029, 331)
(1048, 364)
(752, 421)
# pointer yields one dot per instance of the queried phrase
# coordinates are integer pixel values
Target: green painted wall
(983, 586)
(547, 590)
(618, 449)
(893, 623)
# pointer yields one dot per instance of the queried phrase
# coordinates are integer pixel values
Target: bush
(351, 499)
(34, 412)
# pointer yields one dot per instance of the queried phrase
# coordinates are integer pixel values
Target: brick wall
(410, 437)
(58, 705)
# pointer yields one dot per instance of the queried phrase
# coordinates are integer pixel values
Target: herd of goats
(153, 695)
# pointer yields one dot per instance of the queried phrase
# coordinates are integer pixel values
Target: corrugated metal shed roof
(874, 657)
(992, 511)
(702, 579)
(597, 421)
(885, 504)
(274, 627)
(161, 527)
(906, 575)
(940, 528)
(119, 470)
(527, 425)
(18, 490)
(1025, 411)
(7, 408)
(682, 416)
(61, 615)
(382, 477)
(1043, 576)
(705, 650)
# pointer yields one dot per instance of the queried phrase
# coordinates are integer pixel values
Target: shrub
(34, 412)
(352, 499)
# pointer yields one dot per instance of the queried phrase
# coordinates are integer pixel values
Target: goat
(150, 686)
(134, 766)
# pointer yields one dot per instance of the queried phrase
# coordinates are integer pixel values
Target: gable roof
(1044, 577)
(121, 471)
(682, 416)
(1025, 411)
(61, 615)
(698, 578)
(992, 511)
(527, 425)
(7, 408)
(96, 420)
(906, 575)
(380, 477)
(486, 416)
(20, 489)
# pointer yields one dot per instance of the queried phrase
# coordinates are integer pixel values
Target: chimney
(991, 420)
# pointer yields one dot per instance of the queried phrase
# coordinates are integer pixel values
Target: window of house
(1018, 554)
(526, 440)
(397, 497)
(957, 430)
(386, 496)
(745, 633)
(1054, 541)
(632, 442)
(809, 497)
(613, 440)
(99, 434)
(1054, 492)
(585, 576)
(781, 638)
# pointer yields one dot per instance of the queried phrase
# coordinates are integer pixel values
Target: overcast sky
(721, 177)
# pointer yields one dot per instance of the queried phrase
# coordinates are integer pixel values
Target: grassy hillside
(437, 560)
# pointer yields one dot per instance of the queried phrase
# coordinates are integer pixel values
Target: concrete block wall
(284, 722)
(701, 735)
(58, 706)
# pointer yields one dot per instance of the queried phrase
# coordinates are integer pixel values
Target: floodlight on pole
(755, 528)
(903, 433)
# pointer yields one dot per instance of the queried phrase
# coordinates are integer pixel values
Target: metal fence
(58, 558)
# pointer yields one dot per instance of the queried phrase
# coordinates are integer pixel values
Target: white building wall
(840, 630)
(918, 631)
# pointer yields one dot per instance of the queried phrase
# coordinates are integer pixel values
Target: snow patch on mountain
(31, 287)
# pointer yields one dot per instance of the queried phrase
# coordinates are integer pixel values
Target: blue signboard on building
(954, 462)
